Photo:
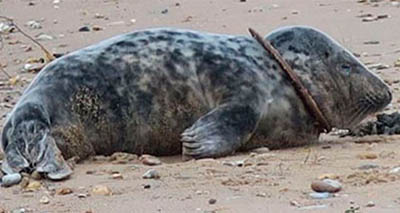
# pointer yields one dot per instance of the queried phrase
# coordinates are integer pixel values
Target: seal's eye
(345, 68)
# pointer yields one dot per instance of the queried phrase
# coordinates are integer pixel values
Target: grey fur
(156, 91)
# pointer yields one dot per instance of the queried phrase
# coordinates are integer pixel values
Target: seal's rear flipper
(52, 162)
(220, 132)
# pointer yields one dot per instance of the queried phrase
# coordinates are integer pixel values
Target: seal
(167, 91)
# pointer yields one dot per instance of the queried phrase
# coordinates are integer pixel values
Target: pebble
(326, 185)
(320, 195)
(24, 182)
(261, 194)
(33, 67)
(151, 174)
(6, 28)
(149, 160)
(367, 156)
(43, 37)
(11, 179)
(370, 204)
(117, 176)
(368, 166)
(36, 175)
(21, 210)
(212, 201)
(82, 195)
(397, 63)
(394, 170)
(97, 28)
(371, 42)
(44, 200)
(122, 157)
(261, 150)
(99, 16)
(378, 66)
(294, 203)
(238, 163)
(64, 191)
(33, 24)
(84, 29)
(33, 186)
(101, 190)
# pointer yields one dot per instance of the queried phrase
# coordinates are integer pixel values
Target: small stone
(382, 16)
(295, 12)
(368, 166)
(394, 170)
(24, 182)
(64, 191)
(238, 163)
(261, 150)
(36, 175)
(21, 210)
(33, 67)
(97, 28)
(369, 19)
(370, 204)
(101, 190)
(122, 157)
(326, 185)
(84, 29)
(378, 66)
(34, 24)
(99, 16)
(367, 156)
(294, 203)
(6, 28)
(320, 195)
(261, 194)
(44, 200)
(33, 186)
(27, 49)
(151, 174)
(82, 195)
(212, 201)
(117, 176)
(371, 42)
(43, 37)
(397, 63)
(149, 160)
(11, 179)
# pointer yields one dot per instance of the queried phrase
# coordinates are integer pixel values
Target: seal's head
(28, 145)
(345, 90)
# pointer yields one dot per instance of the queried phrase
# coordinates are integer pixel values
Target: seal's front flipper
(52, 162)
(220, 132)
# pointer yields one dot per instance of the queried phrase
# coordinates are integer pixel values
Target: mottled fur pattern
(156, 91)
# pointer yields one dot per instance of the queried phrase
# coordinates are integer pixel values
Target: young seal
(167, 91)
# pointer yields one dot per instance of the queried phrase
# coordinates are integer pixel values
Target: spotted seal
(168, 91)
